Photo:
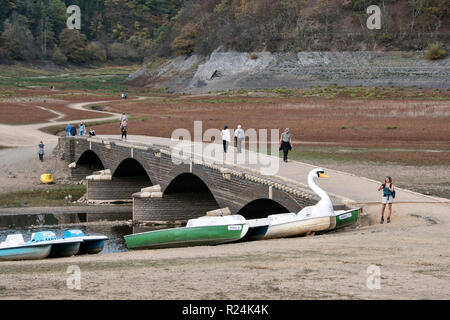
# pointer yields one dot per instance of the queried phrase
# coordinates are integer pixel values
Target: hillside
(131, 30)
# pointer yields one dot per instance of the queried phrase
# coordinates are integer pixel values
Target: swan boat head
(324, 207)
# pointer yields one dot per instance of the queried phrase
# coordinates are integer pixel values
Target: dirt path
(30, 134)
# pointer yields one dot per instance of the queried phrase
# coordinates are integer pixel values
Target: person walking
(68, 128)
(239, 135)
(285, 143)
(82, 128)
(122, 117)
(124, 128)
(388, 198)
(225, 138)
(41, 151)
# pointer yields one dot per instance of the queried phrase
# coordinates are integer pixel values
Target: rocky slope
(236, 70)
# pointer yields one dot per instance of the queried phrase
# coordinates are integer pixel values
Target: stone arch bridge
(162, 190)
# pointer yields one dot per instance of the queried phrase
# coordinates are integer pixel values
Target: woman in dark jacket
(285, 143)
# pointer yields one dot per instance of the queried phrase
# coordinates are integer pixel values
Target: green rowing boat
(198, 232)
(345, 218)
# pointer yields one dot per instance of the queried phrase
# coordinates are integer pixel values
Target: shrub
(73, 45)
(435, 51)
(119, 51)
(96, 52)
(58, 57)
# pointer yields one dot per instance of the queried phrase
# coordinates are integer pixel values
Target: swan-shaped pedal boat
(320, 217)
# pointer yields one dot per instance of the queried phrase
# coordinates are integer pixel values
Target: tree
(17, 38)
(73, 44)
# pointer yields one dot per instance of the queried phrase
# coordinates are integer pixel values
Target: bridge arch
(130, 167)
(189, 192)
(261, 208)
(86, 164)
(127, 178)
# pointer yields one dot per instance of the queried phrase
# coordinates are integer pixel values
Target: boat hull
(298, 227)
(25, 253)
(186, 237)
(255, 233)
(91, 246)
(64, 249)
(347, 218)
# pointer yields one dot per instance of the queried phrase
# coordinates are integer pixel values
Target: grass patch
(97, 107)
(105, 79)
(52, 195)
(391, 127)
(435, 51)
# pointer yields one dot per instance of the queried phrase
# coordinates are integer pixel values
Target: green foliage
(96, 52)
(435, 51)
(58, 57)
(16, 38)
(73, 44)
(31, 29)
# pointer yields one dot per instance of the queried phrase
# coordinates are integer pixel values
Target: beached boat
(15, 248)
(317, 218)
(345, 218)
(257, 229)
(60, 247)
(200, 231)
(90, 244)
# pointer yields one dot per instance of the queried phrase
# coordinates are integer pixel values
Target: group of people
(239, 136)
(72, 131)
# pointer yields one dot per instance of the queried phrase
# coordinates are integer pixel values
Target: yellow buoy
(47, 178)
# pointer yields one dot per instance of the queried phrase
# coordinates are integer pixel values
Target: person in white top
(239, 136)
(225, 138)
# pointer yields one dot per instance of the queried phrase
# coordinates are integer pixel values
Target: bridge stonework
(188, 189)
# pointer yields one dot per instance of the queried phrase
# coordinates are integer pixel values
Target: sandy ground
(412, 253)
(20, 168)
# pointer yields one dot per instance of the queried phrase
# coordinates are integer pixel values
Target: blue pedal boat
(90, 244)
(15, 248)
(60, 247)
